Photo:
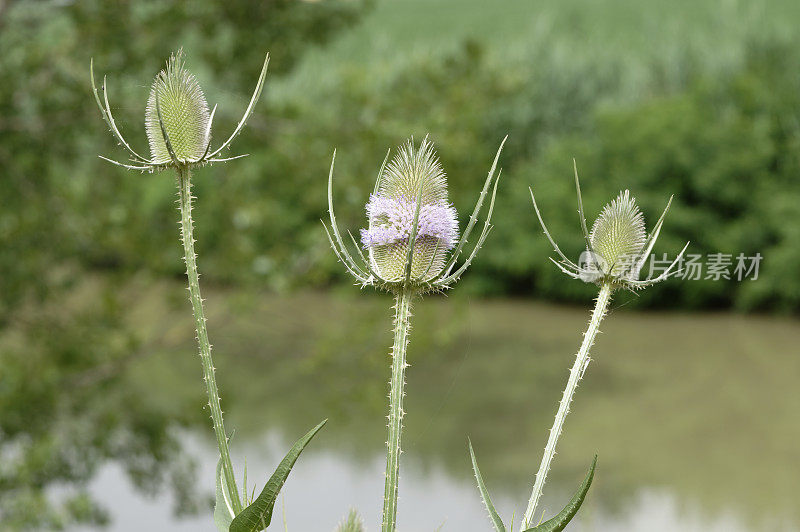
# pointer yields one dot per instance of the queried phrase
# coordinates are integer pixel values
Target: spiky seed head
(177, 95)
(414, 176)
(617, 247)
(618, 235)
(351, 523)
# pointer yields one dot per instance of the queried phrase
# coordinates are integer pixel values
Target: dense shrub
(727, 148)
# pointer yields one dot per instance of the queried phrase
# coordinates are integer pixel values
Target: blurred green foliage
(68, 409)
(728, 148)
(50, 134)
(722, 139)
(65, 216)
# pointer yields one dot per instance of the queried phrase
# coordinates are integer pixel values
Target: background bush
(720, 132)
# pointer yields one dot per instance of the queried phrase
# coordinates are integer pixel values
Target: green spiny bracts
(618, 235)
(412, 239)
(178, 126)
(177, 104)
(615, 252)
(351, 523)
(415, 172)
(177, 121)
(618, 246)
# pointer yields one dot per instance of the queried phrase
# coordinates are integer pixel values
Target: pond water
(694, 417)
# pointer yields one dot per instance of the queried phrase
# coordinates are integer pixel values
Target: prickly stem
(575, 375)
(402, 327)
(185, 200)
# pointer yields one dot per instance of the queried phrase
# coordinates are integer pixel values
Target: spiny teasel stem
(575, 375)
(402, 327)
(185, 195)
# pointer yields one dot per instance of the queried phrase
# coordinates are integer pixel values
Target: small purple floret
(392, 221)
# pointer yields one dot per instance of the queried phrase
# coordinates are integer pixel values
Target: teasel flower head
(617, 247)
(412, 238)
(414, 177)
(177, 120)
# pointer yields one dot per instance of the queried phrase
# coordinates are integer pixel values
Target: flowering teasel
(412, 246)
(412, 240)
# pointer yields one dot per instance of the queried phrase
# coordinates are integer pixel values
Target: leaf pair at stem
(555, 524)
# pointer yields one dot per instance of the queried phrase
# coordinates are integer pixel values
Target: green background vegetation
(700, 102)
(696, 99)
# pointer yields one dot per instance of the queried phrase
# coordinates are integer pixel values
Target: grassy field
(519, 31)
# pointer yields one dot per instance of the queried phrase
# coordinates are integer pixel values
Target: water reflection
(310, 503)
(694, 417)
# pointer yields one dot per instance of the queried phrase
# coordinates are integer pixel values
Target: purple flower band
(393, 219)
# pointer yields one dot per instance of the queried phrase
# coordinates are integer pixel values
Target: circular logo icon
(591, 266)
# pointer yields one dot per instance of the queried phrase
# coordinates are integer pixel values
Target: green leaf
(258, 515)
(223, 509)
(557, 523)
(498, 523)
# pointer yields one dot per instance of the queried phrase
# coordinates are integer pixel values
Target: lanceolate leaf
(258, 515)
(223, 509)
(557, 523)
(498, 523)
